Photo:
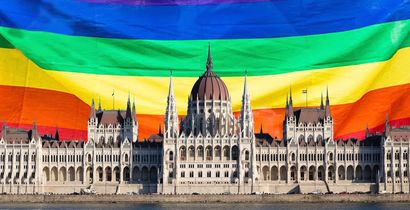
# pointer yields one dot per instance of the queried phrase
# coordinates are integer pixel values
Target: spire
(128, 113)
(367, 131)
(209, 64)
(99, 104)
(159, 129)
(134, 112)
(321, 101)
(171, 125)
(290, 98)
(171, 87)
(246, 115)
(245, 86)
(35, 133)
(327, 102)
(92, 109)
(327, 96)
(387, 127)
(57, 135)
(287, 105)
(261, 131)
(290, 105)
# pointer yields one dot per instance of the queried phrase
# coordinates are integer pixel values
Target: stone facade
(208, 151)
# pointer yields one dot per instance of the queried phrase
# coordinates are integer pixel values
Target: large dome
(209, 85)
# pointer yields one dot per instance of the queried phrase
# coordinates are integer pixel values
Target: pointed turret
(171, 125)
(134, 111)
(246, 115)
(159, 129)
(322, 106)
(387, 127)
(99, 104)
(261, 130)
(367, 131)
(92, 110)
(327, 103)
(128, 114)
(290, 107)
(35, 134)
(57, 135)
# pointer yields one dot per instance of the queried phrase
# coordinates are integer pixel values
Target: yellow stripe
(346, 84)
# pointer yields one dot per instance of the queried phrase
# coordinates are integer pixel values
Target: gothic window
(301, 138)
(89, 158)
(246, 155)
(191, 151)
(171, 156)
(200, 152)
(126, 157)
(218, 152)
(226, 152)
(310, 138)
(235, 152)
(211, 124)
(319, 138)
(208, 153)
(182, 153)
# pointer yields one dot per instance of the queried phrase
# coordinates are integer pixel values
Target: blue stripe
(276, 18)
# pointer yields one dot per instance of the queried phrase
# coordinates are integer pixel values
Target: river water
(246, 206)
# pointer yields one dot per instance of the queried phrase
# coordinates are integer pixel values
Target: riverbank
(362, 198)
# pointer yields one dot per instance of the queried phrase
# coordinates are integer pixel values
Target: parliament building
(208, 151)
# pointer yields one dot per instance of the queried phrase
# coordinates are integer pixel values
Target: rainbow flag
(56, 55)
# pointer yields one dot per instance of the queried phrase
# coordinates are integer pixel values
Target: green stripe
(4, 43)
(231, 57)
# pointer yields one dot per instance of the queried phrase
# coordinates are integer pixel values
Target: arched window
(226, 152)
(200, 152)
(235, 152)
(246, 155)
(218, 152)
(319, 138)
(171, 156)
(191, 152)
(301, 138)
(208, 153)
(182, 153)
(89, 158)
(126, 157)
(310, 138)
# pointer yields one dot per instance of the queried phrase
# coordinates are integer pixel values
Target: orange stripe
(21, 105)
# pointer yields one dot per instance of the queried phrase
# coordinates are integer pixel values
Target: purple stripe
(172, 2)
